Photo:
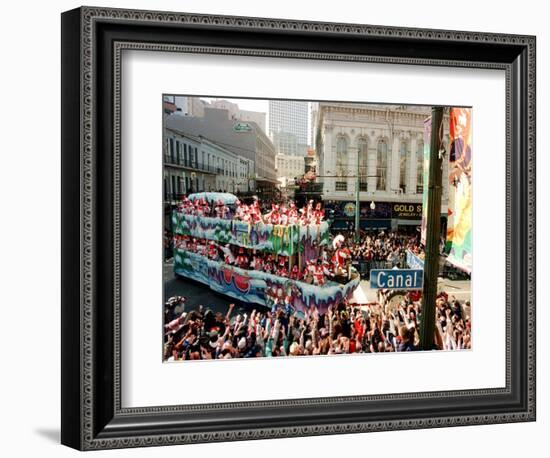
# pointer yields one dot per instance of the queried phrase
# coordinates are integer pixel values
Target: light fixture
(372, 205)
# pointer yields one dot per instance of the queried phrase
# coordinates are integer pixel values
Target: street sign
(396, 278)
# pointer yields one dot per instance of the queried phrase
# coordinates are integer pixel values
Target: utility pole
(357, 203)
(433, 222)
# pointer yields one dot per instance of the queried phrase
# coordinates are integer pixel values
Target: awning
(375, 224)
(409, 222)
(348, 223)
(339, 224)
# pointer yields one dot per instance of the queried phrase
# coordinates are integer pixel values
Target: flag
(459, 216)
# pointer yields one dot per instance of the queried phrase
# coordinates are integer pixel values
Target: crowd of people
(344, 329)
(282, 214)
(390, 246)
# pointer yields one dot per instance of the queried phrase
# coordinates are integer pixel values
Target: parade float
(295, 245)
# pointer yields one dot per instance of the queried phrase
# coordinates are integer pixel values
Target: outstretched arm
(229, 310)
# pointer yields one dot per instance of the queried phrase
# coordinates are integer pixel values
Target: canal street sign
(396, 278)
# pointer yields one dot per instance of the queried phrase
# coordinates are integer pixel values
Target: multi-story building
(186, 105)
(287, 144)
(196, 164)
(236, 113)
(288, 124)
(378, 148)
(289, 167)
(245, 139)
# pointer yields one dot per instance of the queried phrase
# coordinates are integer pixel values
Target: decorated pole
(431, 259)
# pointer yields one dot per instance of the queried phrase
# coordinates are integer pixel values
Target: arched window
(420, 168)
(362, 151)
(403, 153)
(341, 163)
(381, 165)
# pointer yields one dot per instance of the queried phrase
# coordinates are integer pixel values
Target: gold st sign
(412, 211)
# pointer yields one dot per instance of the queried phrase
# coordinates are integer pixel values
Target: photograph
(313, 228)
(273, 226)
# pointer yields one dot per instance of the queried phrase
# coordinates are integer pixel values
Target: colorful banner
(281, 240)
(260, 287)
(426, 170)
(459, 217)
(414, 261)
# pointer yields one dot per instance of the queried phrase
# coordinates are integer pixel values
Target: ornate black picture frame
(92, 42)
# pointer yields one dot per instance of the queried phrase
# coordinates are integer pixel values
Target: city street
(199, 294)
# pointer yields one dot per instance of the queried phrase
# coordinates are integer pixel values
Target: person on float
(228, 257)
(283, 219)
(318, 213)
(184, 242)
(255, 212)
(242, 259)
(295, 273)
(206, 207)
(198, 207)
(309, 212)
(257, 263)
(221, 210)
(268, 265)
(202, 247)
(282, 271)
(239, 210)
(273, 216)
(308, 271)
(341, 255)
(319, 273)
(302, 218)
(212, 251)
(183, 206)
(293, 216)
(246, 214)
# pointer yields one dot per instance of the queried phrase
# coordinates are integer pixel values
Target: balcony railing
(193, 165)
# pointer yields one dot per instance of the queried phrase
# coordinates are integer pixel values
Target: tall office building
(288, 126)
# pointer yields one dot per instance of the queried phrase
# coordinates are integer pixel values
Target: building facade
(288, 126)
(246, 140)
(378, 148)
(186, 105)
(195, 164)
(289, 167)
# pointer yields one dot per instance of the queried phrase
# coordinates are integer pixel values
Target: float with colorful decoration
(294, 246)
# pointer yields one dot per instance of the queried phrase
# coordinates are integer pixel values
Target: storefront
(374, 215)
(347, 224)
(406, 217)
